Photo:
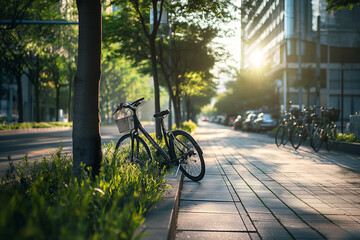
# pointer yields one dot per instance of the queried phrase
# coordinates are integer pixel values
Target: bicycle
(283, 132)
(182, 149)
(326, 130)
(304, 129)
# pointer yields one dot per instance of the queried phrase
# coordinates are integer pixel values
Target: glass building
(307, 49)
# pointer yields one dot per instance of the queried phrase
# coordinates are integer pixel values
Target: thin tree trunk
(177, 109)
(70, 91)
(156, 85)
(37, 103)
(37, 89)
(177, 104)
(188, 109)
(86, 127)
(20, 98)
(57, 89)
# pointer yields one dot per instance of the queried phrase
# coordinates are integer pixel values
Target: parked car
(221, 119)
(264, 121)
(218, 119)
(248, 124)
(229, 119)
(213, 119)
(205, 119)
(238, 122)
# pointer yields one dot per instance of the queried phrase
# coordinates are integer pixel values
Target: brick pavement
(254, 190)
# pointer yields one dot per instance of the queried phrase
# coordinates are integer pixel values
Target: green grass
(44, 201)
(27, 125)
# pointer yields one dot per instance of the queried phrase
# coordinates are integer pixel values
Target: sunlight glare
(256, 58)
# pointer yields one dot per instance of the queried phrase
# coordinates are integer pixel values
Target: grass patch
(27, 125)
(44, 201)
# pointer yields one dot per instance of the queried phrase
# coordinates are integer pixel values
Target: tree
(124, 27)
(14, 56)
(192, 59)
(120, 81)
(86, 126)
(140, 10)
(340, 4)
(249, 90)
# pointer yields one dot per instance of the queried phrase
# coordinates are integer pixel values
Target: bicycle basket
(124, 120)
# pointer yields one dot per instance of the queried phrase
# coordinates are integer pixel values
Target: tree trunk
(57, 89)
(156, 85)
(70, 91)
(20, 98)
(188, 108)
(37, 89)
(37, 102)
(86, 126)
(177, 106)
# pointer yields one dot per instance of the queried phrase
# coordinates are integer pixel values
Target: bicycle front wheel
(134, 150)
(279, 135)
(296, 136)
(189, 155)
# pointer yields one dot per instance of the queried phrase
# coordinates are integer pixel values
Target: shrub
(341, 137)
(188, 126)
(44, 201)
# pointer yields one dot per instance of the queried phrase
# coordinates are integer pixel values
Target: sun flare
(256, 58)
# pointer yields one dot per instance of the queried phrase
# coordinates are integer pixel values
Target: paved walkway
(253, 190)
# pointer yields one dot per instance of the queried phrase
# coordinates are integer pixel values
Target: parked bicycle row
(316, 125)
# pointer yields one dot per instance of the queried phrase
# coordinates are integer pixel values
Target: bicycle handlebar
(131, 105)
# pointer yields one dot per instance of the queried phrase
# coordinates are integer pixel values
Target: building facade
(310, 51)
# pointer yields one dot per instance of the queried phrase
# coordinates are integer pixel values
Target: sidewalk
(253, 190)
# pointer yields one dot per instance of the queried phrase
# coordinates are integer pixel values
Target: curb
(348, 147)
(160, 221)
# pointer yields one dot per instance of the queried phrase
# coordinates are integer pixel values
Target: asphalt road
(38, 142)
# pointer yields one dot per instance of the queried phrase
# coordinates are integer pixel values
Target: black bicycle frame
(168, 140)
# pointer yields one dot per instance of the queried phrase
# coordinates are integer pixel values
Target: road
(254, 190)
(38, 142)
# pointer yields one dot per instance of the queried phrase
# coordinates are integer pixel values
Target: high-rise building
(307, 49)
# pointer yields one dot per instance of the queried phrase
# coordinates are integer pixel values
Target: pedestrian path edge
(160, 221)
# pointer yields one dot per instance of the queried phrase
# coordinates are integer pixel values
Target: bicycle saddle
(162, 113)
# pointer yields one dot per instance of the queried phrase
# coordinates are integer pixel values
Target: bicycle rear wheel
(189, 155)
(287, 134)
(138, 152)
(331, 136)
(317, 139)
(296, 136)
(279, 136)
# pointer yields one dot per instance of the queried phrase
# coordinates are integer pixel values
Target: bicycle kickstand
(177, 171)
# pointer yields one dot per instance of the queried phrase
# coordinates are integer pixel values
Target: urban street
(251, 190)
